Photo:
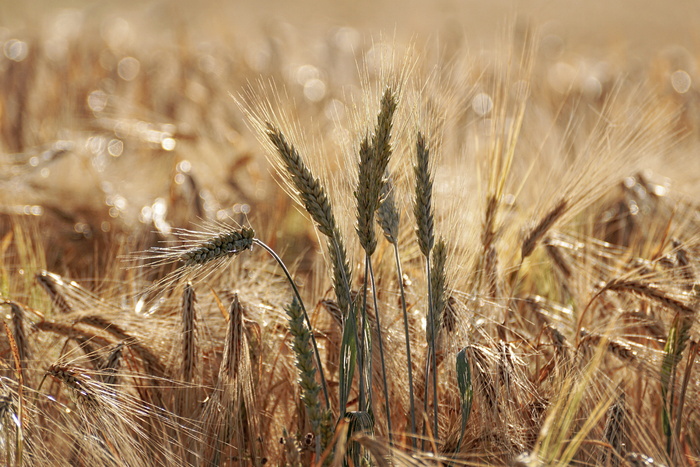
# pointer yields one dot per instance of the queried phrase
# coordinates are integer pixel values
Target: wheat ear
(19, 332)
(422, 207)
(186, 396)
(48, 283)
(423, 212)
(542, 227)
(313, 196)
(301, 345)
(374, 159)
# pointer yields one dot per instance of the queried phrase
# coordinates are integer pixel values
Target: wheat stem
(272, 253)
(381, 351)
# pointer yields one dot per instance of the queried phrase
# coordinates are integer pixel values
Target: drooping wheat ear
(557, 258)
(654, 293)
(151, 362)
(614, 434)
(47, 281)
(81, 386)
(313, 196)
(189, 345)
(388, 215)
(374, 159)
(422, 207)
(71, 332)
(301, 345)
(225, 244)
(542, 227)
(591, 341)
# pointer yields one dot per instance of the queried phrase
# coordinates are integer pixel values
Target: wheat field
(368, 233)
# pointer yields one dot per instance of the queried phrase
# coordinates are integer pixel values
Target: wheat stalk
(423, 211)
(389, 218)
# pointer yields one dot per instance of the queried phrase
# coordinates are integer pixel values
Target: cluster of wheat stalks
(500, 281)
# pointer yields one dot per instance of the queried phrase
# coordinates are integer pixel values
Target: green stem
(364, 401)
(433, 352)
(381, 350)
(408, 345)
(306, 316)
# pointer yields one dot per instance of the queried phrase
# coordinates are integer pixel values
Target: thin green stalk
(408, 345)
(381, 350)
(433, 353)
(324, 385)
(365, 371)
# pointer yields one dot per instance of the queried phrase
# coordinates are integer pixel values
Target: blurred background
(117, 121)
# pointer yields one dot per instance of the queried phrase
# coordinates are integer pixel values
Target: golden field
(376, 233)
